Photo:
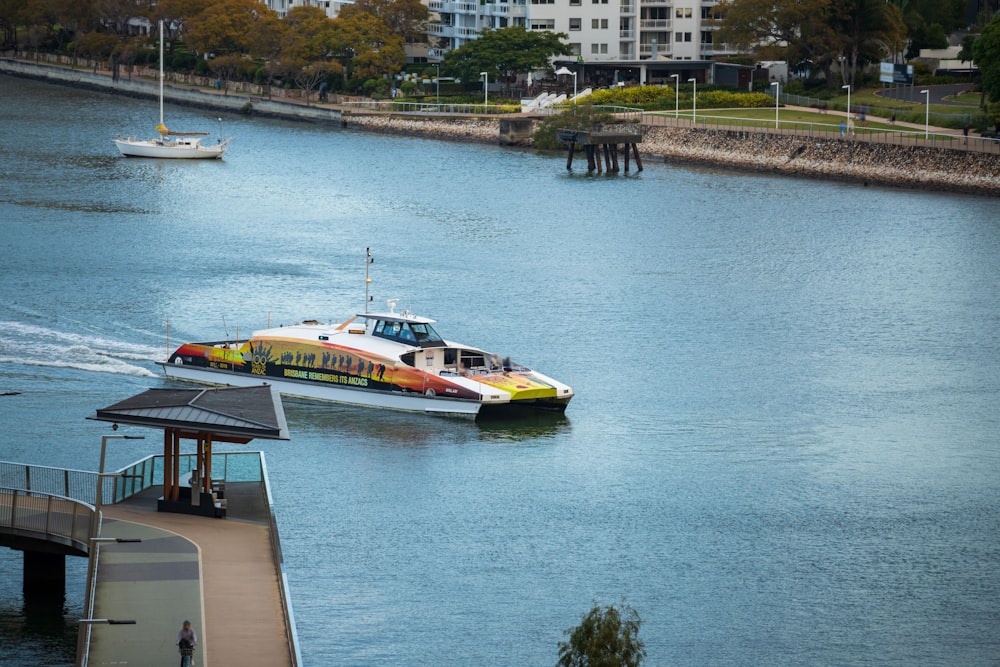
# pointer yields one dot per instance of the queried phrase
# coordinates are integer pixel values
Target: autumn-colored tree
(176, 15)
(224, 26)
(368, 46)
(505, 53)
(308, 43)
(406, 18)
(97, 46)
(11, 17)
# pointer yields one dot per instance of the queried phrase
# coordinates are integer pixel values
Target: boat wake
(34, 345)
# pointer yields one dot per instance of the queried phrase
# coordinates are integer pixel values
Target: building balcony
(647, 50)
(451, 31)
(626, 34)
(654, 24)
(495, 10)
(656, 3)
(442, 7)
(628, 8)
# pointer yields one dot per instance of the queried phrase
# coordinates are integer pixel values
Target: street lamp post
(437, 84)
(694, 100)
(486, 88)
(777, 96)
(848, 86)
(677, 93)
(565, 70)
(927, 112)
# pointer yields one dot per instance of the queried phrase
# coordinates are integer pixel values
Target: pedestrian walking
(187, 640)
(965, 132)
(843, 129)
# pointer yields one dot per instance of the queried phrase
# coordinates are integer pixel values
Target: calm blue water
(783, 449)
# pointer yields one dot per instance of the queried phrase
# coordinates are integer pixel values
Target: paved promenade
(217, 573)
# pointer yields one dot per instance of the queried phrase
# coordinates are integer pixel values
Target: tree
(505, 53)
(309, 41)
(224, 26)
(986, 52)
(607, 637)
(175, 15)
(865, 31)
(406, 18)
(365, 42)
(792, 30)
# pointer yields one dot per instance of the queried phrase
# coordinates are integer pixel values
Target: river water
(783, 449)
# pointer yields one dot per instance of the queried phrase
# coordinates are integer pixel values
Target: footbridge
(152, 566)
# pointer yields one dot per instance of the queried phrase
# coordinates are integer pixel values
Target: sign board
(893, 73)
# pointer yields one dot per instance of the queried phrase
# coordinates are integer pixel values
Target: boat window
(407, 332)
(425, 333)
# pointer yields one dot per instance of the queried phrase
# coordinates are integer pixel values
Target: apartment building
(331, 7)
(599, 30)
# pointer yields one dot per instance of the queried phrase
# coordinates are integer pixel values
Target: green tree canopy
(607, 637)
(986, 52)
(505, 53)
(824, 32)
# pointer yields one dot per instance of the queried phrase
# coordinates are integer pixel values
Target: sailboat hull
(179, 150)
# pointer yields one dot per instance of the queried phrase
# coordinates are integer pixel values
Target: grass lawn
(868, 98)
(972, 99)
(787, 118)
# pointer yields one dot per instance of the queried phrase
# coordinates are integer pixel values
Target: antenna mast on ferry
(369, 260)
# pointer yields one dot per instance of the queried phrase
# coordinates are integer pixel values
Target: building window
(678, 36)
(687, 37)
(599, 24)
(574, 3)
(706, 36)
(574, 48)
(604, 48)
(594, 48)
(543, 24)
(600, 2)
(574, 24)
(683, 13)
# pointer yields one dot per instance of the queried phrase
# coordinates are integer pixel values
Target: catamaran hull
(390, 400)
(154, 150)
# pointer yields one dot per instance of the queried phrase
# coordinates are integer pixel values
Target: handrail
(908, 136)
(291, 633)
(25, 513)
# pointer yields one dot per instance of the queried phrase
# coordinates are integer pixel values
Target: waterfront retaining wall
(815, 157)
(186, 96)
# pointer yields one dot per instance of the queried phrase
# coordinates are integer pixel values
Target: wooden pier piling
(603, 146)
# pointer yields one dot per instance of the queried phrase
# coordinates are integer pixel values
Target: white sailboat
(176, 145)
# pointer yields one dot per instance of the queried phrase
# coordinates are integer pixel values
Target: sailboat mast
(369, 260)
(161, 72)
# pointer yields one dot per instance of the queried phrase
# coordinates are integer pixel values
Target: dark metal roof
(227, 413)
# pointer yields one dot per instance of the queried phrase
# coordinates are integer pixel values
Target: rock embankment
(815, 157)
(905, 166)
(482, 130)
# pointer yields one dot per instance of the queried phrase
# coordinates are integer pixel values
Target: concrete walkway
(229, 562)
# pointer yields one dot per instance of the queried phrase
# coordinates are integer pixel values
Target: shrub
(577, 117)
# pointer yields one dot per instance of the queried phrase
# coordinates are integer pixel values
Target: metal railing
(76, 484)
(46, 516)
(427, 107)
(915, 108)
(291, 634)
(892, 136)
